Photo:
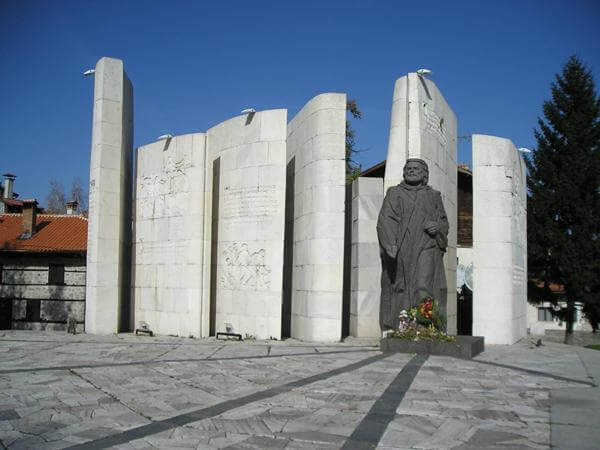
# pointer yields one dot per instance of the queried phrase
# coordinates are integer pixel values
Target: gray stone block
(465, 347)
(367, 186)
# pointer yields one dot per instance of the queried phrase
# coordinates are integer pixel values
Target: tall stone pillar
(316, 152)
(499, 241)
(109, 230)
(424, 126)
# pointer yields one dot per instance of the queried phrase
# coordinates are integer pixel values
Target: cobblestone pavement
(83, 391)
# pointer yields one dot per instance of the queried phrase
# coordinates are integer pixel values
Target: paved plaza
(139, 392)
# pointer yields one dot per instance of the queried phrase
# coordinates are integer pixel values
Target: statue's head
(416, 172)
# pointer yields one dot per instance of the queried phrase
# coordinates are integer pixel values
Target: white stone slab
(251, 206)
(316, 144)
(107, 285)
(499, 241)
(169, 222)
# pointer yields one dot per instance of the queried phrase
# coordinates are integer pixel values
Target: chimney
(72, 207)
(29, 217)
(9, 180)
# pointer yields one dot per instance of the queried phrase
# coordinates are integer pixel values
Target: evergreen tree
(564, 194)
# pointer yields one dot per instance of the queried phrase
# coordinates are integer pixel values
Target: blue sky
(194, 64)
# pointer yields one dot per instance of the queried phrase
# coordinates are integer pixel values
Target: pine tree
(564, 194)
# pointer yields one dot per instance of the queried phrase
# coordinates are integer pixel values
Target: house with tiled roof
(42, 269)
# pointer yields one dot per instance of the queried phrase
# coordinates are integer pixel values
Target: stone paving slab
(580, 338)
(83, 391)
(553, 358)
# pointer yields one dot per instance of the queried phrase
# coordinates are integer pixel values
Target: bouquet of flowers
(428, 314)
(422, 322)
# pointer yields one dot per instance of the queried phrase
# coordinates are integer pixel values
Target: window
(56, 274)
(33, 311)
(545, 315)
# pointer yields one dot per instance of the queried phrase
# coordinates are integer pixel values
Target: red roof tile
(53, 233)
(12, 201)
(464, 168)
(555, 288)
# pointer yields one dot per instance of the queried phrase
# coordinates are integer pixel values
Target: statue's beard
(420, 182)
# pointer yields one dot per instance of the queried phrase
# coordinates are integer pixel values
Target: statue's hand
(392, 252)
(431, 227)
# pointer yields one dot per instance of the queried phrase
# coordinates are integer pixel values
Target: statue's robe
(417, 270)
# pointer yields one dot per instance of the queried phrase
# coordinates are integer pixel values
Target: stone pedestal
(465, 347)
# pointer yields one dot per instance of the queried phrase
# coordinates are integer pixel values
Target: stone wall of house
(41, 292)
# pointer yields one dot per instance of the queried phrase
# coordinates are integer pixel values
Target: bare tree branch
(55, 200)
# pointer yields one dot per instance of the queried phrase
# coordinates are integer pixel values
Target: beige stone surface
(168, 234)
(108, 252)
(250, 222)
(316, 148)
(499, 241)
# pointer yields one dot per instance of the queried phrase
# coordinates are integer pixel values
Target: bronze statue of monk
(413, 236)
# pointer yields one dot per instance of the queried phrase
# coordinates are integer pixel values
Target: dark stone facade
(41, 291)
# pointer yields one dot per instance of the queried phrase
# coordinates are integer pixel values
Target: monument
(217, 216)
(248, 227)
(413, 236)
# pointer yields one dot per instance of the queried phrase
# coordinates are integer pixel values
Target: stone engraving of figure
(243, 262)
(244, 269)
(413, 235)
(262, 272)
